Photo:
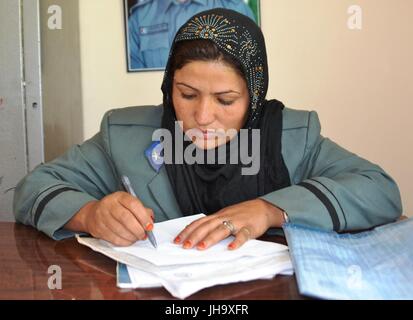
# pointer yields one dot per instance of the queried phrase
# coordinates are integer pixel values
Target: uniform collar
(165, 4)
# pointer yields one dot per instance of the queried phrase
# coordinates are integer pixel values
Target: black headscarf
(208, 188)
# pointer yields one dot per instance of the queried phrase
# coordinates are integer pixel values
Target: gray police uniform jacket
(331, 188)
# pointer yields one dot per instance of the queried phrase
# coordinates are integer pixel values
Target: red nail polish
(201, 245)
(187, 244)
(231, 246)
(177, 240)
(149, 227)
(145, 237)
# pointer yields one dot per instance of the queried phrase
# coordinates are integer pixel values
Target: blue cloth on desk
(375, 264)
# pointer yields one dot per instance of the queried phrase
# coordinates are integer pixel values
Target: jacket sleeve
(49, 196)
(334, 189)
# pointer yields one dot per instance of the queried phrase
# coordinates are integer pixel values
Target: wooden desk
(26, 255)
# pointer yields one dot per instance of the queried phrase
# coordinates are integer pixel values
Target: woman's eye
(188, 96)
(225, 102)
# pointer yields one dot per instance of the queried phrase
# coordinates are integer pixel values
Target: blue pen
(128, 187)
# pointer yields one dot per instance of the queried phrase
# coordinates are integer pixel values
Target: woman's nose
(204, 113)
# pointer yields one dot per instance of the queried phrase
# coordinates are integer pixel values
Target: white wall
(358, 81)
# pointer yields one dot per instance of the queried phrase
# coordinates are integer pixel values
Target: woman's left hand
(250, 218)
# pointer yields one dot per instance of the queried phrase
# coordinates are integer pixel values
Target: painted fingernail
(187, 244)
(153, 218)
(177, 240)
(145, 237)
(231, 246)
(149, 227)
(201, 245)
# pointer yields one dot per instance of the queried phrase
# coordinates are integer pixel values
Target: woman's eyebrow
(225, 92)
(215, 93)
(186, 85)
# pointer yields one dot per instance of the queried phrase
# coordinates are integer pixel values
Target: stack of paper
(375, 264)
(183, 272)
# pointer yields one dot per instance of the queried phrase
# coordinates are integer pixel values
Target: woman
(215, 81)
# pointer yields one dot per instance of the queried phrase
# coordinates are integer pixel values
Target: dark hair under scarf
(208, 188)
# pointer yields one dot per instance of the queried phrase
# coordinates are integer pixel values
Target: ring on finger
(246, 231)
(228, 224)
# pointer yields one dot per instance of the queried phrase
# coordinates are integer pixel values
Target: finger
(219, 233)
(129, 222)
(108, 235)
(151, 214)
(242, 236)
(201, 232)
(189, 229)
(119, 229)
(135, 206)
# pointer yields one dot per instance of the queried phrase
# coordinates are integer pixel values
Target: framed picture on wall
(150, 26)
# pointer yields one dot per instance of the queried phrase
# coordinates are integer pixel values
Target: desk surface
(26, 255)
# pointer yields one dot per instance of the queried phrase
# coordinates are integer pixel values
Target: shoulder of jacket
(139, 3)
(148, 116)
(297, 119)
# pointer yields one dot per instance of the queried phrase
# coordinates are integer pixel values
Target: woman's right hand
(118, 218)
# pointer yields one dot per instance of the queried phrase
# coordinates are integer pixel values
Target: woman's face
(210, 98)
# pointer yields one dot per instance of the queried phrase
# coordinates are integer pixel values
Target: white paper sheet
(183, 281)
(185, 271)
(169, 253)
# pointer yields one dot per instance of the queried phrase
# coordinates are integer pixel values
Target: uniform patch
(154, 155)
(156, 28)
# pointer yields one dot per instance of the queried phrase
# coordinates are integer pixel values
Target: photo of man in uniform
(152, 24)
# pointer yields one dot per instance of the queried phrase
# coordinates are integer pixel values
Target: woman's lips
(204, 134)
(208, 134)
